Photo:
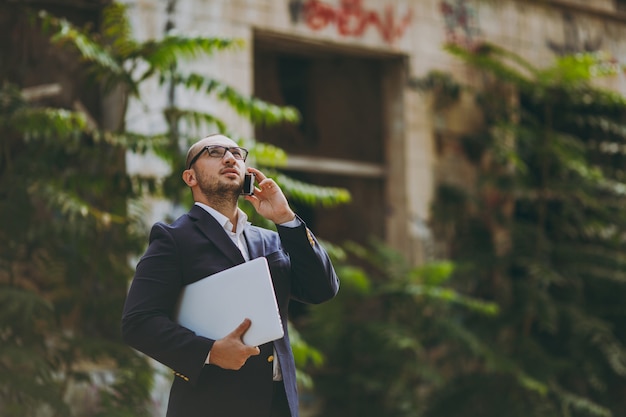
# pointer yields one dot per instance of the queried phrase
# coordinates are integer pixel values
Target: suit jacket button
(270, 358)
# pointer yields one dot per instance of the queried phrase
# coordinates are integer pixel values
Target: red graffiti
(460, 20)
(352, 19)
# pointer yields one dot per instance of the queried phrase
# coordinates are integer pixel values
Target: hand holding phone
(248, 184)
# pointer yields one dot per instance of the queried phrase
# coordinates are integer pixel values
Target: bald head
(213, 139)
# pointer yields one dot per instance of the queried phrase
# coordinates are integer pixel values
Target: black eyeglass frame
(226, 149)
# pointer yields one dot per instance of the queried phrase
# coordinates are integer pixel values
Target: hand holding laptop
(230, 352)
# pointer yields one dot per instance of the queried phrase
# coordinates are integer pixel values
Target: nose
(228, 156)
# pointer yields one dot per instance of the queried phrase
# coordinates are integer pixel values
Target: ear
(189, 176)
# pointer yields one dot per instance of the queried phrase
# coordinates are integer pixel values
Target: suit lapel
(254, 242)
(216, 233)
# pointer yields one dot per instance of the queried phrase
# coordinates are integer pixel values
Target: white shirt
(236, 237)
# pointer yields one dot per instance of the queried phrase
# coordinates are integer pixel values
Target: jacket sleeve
(147, 319)
(313, 277)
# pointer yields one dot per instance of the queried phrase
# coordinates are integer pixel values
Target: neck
(227, 208)
(224, 200)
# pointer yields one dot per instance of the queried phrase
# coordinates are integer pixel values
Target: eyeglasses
(218, 151)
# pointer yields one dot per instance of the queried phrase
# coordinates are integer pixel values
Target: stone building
(346, 65)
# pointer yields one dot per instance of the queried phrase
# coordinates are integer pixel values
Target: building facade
(346, 65)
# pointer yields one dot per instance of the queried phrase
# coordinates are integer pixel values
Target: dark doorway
(340, 140)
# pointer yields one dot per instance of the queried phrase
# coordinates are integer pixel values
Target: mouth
(230, 172)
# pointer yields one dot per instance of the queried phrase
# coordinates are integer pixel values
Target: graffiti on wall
(351, 18)
(575, 38)
(578, 38)
(461, 22)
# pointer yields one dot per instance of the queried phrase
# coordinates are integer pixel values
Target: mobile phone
(248, 184)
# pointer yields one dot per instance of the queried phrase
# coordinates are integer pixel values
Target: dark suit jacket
(191, 248)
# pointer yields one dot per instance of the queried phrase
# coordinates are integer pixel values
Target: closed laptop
(215, 305)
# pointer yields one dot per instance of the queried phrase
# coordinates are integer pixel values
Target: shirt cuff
(292, 223)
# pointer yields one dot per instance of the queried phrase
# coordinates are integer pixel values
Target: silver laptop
(215, 305)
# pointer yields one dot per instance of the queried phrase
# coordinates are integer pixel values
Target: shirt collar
(242, 218)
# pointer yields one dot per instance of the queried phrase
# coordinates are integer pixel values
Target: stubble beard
(220, 192)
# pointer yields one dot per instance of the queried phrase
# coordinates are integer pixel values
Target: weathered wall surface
(413, 30)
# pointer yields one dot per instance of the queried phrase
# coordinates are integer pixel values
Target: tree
(393, 336)
(72, 215)
(541, 233)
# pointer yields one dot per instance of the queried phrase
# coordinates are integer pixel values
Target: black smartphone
(248, 184)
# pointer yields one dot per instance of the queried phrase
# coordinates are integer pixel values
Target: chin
(231, 187)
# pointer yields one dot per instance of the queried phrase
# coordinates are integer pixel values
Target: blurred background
(463, 162)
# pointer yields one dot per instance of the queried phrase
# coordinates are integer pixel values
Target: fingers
(258, 174)
(241, 329)
(265, 184)
(230, 352)
(268, 199)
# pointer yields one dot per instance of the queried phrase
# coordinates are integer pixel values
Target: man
(225, 377)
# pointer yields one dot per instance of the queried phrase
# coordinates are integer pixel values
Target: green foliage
(542, 233)
(58, 298)
(116, 59)
(311, 194)
(305, 356)
(446, 90)
(72, 216)
(258, 111)
(392, 335)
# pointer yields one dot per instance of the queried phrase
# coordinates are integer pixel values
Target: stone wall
(411, 32)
